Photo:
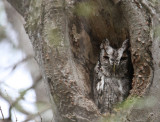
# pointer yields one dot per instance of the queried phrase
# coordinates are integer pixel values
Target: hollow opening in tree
(86, 35)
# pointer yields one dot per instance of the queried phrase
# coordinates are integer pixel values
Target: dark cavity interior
(104, 22)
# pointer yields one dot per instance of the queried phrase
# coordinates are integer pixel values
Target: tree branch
(21, 6)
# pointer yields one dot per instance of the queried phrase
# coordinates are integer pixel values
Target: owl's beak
(114, 68)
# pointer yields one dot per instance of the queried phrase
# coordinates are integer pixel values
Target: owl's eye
(105, 57)
(112, 59)
(124, 58)
(116, 61)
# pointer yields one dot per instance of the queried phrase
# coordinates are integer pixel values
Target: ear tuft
(125, 44)
(104, 44)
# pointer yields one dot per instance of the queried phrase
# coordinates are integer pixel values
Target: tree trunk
(66, 36)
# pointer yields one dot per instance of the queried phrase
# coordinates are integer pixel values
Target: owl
(111, 83)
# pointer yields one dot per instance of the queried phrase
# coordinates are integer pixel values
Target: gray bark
(66, 37)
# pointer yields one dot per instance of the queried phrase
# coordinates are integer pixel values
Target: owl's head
(111, 55)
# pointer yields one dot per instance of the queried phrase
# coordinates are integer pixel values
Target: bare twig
(2, 112)
(19, 62)
(15, 65)
(11, 105)
(24, 92)
(40, 116)
(31, 117)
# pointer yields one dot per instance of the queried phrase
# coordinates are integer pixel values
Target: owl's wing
(103, 93)
(106, 93)
(109, 94)
(95, 81)
(94, 89)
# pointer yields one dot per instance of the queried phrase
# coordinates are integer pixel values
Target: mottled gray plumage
(111, 77)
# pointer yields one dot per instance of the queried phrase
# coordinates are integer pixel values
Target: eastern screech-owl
(111, 77)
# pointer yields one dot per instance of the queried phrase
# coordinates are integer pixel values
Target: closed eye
(124, 58)
(105, 57)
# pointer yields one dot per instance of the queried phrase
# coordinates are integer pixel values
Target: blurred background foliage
(22, 93)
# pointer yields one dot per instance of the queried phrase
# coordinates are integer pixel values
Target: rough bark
(66, 36)
(139, 24)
